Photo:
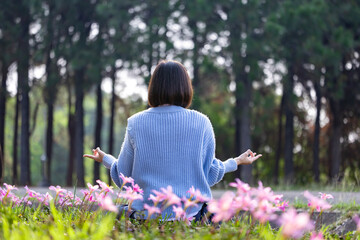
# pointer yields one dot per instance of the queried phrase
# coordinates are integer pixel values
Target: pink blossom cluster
(165, 198)
(264, 205)
(61, 197)
(318, 204)
(261, 202)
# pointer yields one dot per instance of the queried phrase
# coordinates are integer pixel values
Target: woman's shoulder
(200, 118)
(135, 117)
(199, 115)
(188, 113)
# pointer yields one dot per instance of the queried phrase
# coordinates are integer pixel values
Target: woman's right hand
(98, 155)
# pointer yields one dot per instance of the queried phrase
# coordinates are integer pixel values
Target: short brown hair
(170, 84)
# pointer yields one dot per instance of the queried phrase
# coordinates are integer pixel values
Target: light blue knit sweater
(169, 145)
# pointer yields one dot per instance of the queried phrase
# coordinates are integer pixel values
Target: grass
(72, 223)
(342, 207)
(66, 216)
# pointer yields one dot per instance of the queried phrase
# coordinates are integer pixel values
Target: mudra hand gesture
(247, 158)
(98, 155)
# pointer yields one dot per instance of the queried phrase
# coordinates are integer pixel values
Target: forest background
(280, 77)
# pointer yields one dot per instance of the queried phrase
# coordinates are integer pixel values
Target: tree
(292, 26)
(203, 19)
(83, 14)
(52, 79)
(245, 23)
(7, 48)
(23, 78)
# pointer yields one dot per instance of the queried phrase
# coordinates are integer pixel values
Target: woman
(169, 144)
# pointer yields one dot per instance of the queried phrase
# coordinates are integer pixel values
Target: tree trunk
(49, 139)
(50, 94)
(316, 160)
(112, 115)
(335, 144)
(245, 132)
(98, 126)
(279, 143)
(3, 97)
(23, 70)
(71, 130)
(243, 96)
(150, 52)
(79, 130)
(195, 80)
(237, 134)
(289, 127)
(15, 140)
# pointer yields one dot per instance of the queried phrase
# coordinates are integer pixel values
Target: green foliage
(224, 43)
(51, 223)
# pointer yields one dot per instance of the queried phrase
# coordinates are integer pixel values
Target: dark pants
(123, 209)
(202, 214)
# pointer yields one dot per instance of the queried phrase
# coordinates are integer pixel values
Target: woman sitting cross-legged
(168, 144)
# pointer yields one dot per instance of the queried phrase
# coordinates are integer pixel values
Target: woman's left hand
(98, 155)
(247, 158)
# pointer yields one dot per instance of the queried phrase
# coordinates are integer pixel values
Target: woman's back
(171, 147)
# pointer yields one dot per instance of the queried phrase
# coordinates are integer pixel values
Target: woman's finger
(257, 157)
(249, 152)
(89, 156)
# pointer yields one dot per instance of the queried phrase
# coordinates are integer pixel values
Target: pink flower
(356, 219)
(107, 204)
(197, 195)
(170, 197)
(316, 236)
(155, 199)
(295, 225)
(151, 210)
(244, 202)
(31, 193)
(126, 179)
(57, 189)
(179, 212)
(92, 188)
(282, 205)
(266, 193)
(188, 203)
(91, 198)
(137, 189)
(316, 203)
(325, 196)
(241, 186)
(85, 192)
(131, 195)
(77, 201)
(277, 198)
(44, 198)
(9, 188)
(99, 196)
(222, 208)
(26, 201)
(104, 186)
(264, 211)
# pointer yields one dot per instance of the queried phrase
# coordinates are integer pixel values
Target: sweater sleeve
(214, 168)
(124, 163)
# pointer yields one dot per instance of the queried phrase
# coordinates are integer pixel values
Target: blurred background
(280, 77)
